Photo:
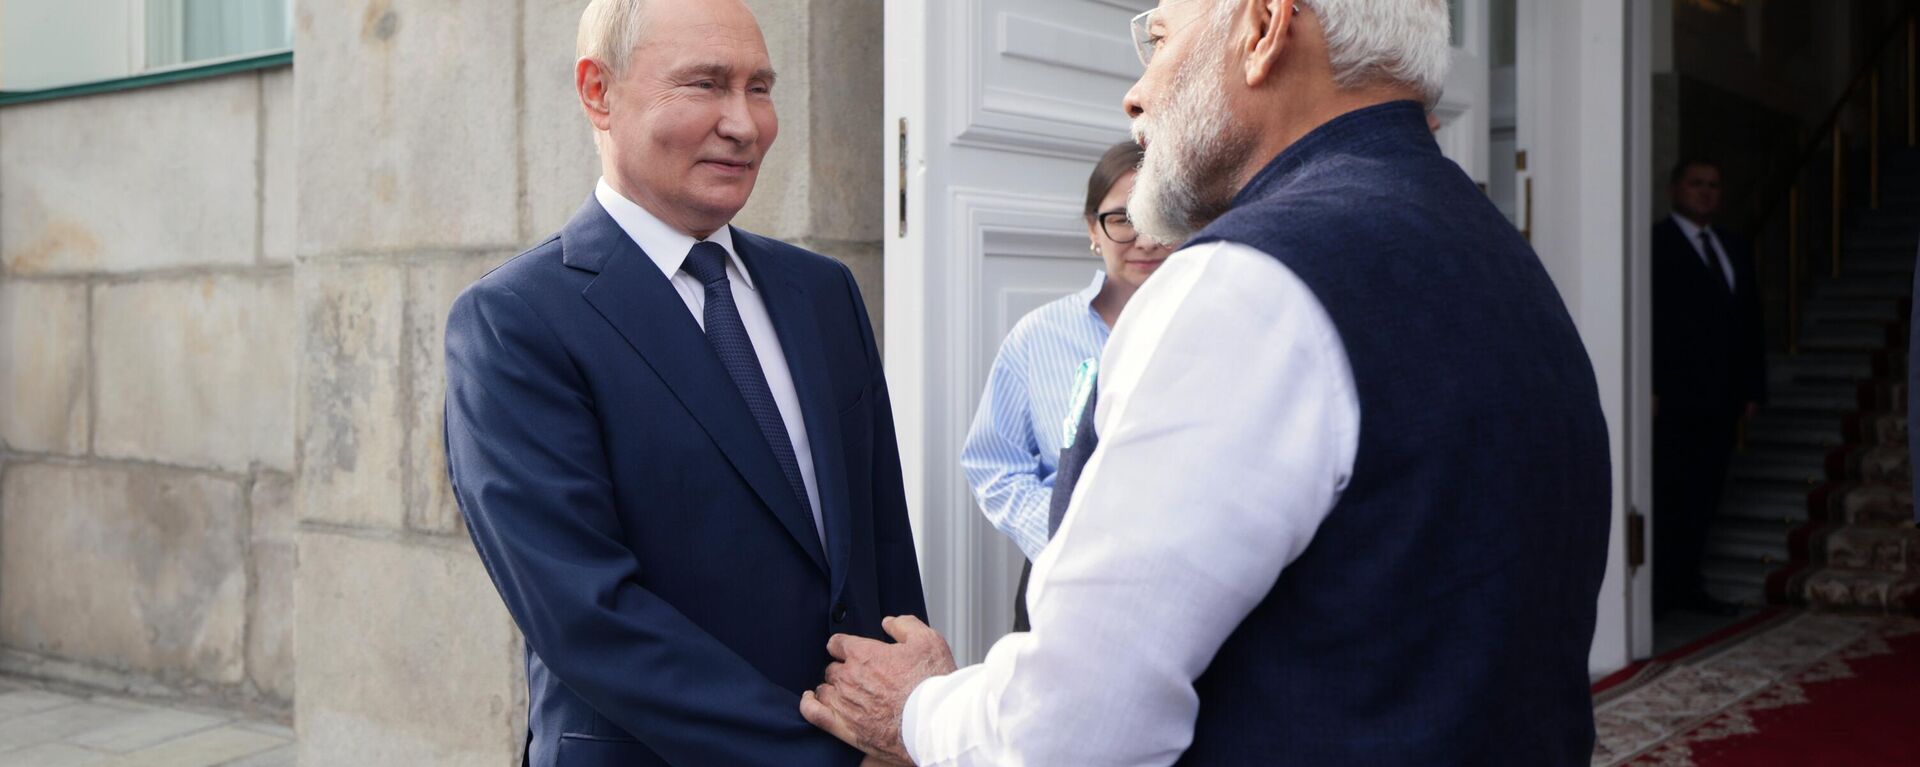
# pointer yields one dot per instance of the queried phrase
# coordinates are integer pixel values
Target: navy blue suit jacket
(673, 594)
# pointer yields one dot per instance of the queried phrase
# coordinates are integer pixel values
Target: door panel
(997, 111)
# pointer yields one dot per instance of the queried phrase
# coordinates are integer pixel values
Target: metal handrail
(1830, 125)
(1829, 132)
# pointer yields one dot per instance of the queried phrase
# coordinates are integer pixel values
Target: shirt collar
(668, 247)
(1690, 229)
(1088, 293)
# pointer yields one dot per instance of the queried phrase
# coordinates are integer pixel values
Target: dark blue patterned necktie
(728, 335)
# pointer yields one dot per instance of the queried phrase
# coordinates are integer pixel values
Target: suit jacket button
(839, 613)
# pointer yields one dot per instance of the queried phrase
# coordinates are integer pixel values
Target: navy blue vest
(1444, 611)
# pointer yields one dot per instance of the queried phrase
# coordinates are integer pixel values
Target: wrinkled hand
(867, 686)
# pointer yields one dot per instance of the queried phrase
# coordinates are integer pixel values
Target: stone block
(562, 163)
(43, 367)
(406, 656)
(781, 204)
(218, 746)
(196, 371)
(412, 140)
(270, 658)
(431, 289)
(352, 404)
(164, 557)
(58, 724)
(279, 191)
(147, 179)
(846, 76)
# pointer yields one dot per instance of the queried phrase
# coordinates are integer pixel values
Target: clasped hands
(868, 683)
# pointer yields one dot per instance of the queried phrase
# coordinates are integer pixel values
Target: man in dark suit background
(671, 439)
(1709, 373)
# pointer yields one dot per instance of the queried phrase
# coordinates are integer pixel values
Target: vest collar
(1403, 122)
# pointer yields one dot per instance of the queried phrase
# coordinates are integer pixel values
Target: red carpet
(1792, 689)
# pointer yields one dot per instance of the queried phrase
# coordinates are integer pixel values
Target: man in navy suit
(670, 438)
(1709, 373)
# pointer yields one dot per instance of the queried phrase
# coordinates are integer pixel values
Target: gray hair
(609, 31)
(1404, 42)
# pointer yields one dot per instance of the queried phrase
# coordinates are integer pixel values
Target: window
(55, 44)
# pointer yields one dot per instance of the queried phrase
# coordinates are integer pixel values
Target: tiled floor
(43, 728)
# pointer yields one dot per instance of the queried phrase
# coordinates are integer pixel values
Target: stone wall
(147, 390)
(221, 326)
(438, 139)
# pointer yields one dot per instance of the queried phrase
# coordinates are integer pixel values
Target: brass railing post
(1873, 141)
(1839, 191)
(1793, 270)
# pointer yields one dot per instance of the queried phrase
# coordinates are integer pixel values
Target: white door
(1585, 205)
(1465, 108)
(997, 111)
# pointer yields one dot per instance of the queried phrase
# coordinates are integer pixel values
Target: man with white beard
(1350, 500)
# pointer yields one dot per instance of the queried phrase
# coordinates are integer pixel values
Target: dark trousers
(1690, 456)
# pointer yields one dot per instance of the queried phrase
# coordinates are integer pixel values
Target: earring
(1095, 247)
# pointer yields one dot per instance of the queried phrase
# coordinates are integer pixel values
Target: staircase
(1819, 505)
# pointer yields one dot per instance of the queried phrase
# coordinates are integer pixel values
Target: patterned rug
(1859, 549)
(1787, 688)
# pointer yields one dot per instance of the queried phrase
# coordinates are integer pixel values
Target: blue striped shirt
(1013, 449)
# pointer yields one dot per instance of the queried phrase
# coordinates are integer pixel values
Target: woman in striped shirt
(1014, 447)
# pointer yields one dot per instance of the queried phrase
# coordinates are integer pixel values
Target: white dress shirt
(1228, 425)
(669, 247)
(1692, 232)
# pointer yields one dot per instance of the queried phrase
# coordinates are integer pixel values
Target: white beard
(1193, 152)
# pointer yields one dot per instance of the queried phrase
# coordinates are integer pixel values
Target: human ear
(591, 81)
(1268, 22)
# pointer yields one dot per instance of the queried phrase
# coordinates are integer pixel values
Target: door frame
(1581, 125)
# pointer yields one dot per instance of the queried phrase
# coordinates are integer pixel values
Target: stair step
(1822, 434)
(1771, 554)
(1735, 572)
(1869, 286)
(1844, 336)
(1826, 398)
(1785, 474)
(1855, 310)
(1843, 366)
(1879, 258)
(1784, 506)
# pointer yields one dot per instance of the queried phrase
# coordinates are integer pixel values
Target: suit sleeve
(898, 566)
(1753, 351)
(1664, 319)
(524, 453)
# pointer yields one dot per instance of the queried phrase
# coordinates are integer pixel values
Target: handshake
(869, 682)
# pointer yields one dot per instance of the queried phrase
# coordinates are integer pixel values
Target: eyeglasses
(1117, 226)
(1145, 42)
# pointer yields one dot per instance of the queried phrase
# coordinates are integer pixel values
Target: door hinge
(903, 177)
(1636, 538)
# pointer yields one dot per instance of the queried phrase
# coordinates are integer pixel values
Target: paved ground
(43, 728)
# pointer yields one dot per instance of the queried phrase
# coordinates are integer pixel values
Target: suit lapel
(642, 305)
(791, 309)
(1707, 279)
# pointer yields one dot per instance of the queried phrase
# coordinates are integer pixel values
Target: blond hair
(609, 31)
